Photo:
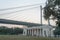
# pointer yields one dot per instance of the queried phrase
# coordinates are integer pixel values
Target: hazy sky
(15, 3)
(30, 15)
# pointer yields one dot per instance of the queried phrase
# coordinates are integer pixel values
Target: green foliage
(52, 8)
(57, 31)
(57, 2)
(10, 31)
(58, 23)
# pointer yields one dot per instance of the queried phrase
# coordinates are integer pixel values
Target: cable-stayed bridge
(6, 21)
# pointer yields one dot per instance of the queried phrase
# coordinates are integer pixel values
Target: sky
(30, 15)
(14, 3)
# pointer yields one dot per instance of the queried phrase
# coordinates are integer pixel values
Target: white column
(42, 32)
(23, 33)
(37, 32)
(27, 31)
(32, 32)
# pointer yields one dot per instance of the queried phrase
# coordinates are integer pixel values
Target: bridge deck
(6, 21)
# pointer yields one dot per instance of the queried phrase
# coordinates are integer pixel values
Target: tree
(49, 10)
(18, 30)
(10, 31)
(52, 9)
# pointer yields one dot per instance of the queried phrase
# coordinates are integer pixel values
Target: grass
(20, 37)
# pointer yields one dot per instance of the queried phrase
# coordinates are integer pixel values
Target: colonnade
(34, 32)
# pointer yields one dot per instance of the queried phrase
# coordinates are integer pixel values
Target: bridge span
(6, 21)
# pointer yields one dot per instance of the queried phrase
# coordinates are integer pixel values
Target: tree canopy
(52, 9)
(10, 31)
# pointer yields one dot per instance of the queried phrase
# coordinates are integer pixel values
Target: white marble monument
(44, 31)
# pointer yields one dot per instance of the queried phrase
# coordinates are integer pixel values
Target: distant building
(45, 31)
